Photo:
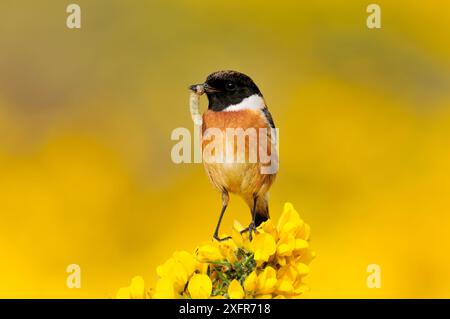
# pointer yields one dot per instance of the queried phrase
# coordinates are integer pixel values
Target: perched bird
(235, 102)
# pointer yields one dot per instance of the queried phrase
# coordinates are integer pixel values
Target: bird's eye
(230, 86)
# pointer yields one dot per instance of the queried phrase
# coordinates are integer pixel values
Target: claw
(251, 229)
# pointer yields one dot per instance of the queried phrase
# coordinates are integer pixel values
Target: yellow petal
(304, 232)
(240, 240)
(202, 267)
(238, 226)
(235, 290)
(164, 269)
(284, 286)
(187, 260)
(263, 246)
(175, 271)
(289, 219)
(178, 275)
(289, 228)
(288, 272)
(269, 227)
(281, 260)
(200, 286)
(250, 282)
(164, 289)
(286, 245)
(137, 288)
(237, 238)
(267, 281)
(208, 253)
(301, 244)
(302, 269)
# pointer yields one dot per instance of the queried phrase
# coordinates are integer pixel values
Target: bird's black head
(226, 88)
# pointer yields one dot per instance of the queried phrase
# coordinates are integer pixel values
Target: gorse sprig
(228, 271)
(272, 265)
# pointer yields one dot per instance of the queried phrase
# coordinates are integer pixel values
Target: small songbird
(235, 102)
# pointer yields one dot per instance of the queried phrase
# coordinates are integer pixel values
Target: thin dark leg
(252, 227)
(222, 212)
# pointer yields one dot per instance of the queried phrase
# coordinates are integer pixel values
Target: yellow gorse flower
(136, 290)
(200, 286)
(263, 247)
(235, 290)
(272, 265)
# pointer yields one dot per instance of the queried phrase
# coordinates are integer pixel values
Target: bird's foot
(251, 229)
(216, 237)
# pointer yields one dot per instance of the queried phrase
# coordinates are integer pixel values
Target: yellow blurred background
(86, 117)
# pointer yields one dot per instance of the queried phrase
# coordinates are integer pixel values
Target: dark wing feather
(268, 117)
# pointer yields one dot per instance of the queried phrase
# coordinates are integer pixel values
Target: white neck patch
(253, 102)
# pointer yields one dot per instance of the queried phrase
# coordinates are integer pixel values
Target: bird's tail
(262, 211)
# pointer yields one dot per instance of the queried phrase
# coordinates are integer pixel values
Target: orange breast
(236, 177)
(240, 119)
(244, 119)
